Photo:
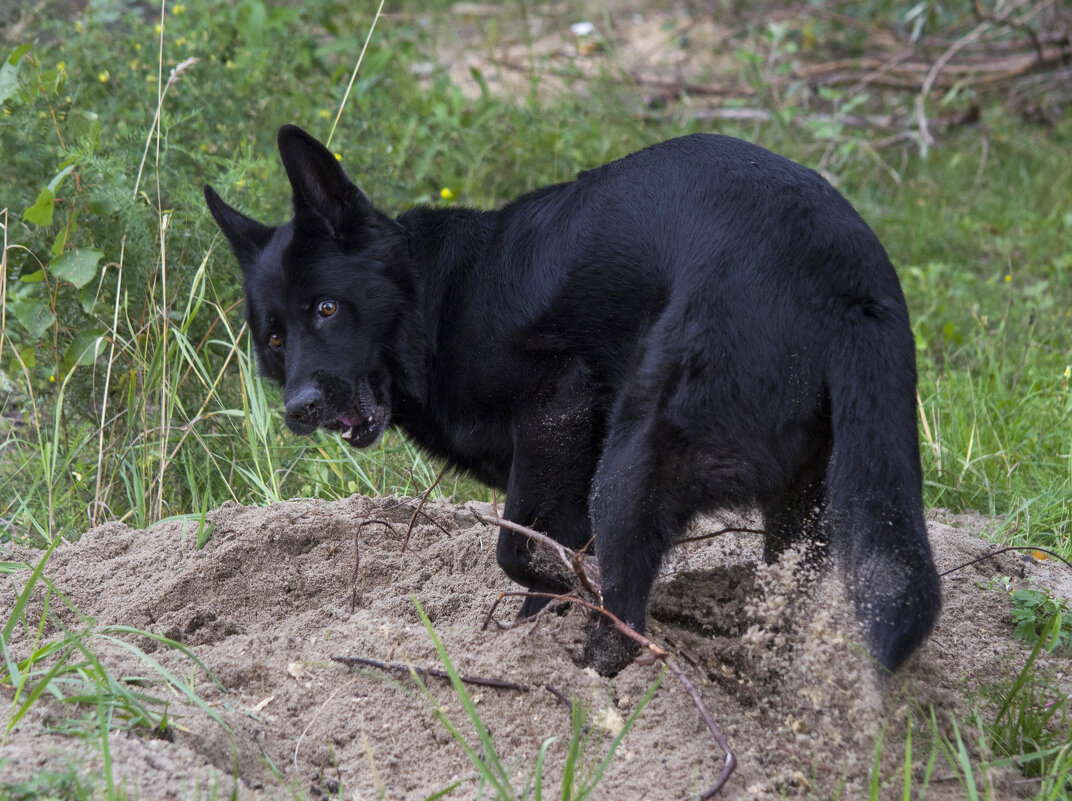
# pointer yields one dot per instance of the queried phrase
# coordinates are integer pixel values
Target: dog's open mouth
(366, 420)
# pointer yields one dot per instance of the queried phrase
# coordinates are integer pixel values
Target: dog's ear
(248, 237)
(322, 190)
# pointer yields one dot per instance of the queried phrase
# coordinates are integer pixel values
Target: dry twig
(992, 554)
(498, 684)
(420, 505)
(729, 763)
(357, 552)
(572, 559)
(727, 530)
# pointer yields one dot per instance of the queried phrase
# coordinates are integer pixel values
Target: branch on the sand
(660, 654)
(572, 559)
(992, 554)
(727, 530)
(497, 684)
(357, 553)
(576, 562)
(420, 505)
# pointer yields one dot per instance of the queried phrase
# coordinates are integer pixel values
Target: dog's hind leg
(636, 520)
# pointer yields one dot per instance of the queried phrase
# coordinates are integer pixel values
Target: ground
(274, 595)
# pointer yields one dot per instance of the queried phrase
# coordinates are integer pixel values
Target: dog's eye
(275, 341)
(327, 308)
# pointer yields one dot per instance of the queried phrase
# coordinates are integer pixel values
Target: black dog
(701, 324)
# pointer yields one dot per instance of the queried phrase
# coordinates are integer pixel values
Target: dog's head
(324, 293)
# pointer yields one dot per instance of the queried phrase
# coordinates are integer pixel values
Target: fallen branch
(992, 554)
(932, 75)
(729, 763)
(420, 505)
(572, 559)
(497, 684)
(575, 561)
(720, 532)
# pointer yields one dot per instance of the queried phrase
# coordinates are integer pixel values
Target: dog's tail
(874, 494)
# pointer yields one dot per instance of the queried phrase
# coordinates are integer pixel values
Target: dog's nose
(304, 409)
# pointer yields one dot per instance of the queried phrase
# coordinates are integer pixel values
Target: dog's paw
(607, 650)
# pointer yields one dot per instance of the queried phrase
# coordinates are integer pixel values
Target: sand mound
(272, 596)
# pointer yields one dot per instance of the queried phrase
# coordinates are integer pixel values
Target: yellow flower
(103, 76)
(324, 113)
(338, 157)
(178, 9)
(52, 379)
(1068, 371)
(1008, 278)
(158, 29)
(446, 194)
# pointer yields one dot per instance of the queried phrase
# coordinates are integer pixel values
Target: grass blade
(492, 768)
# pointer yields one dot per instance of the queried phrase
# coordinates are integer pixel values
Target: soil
(273, 596)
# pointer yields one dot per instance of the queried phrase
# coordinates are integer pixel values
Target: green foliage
(68, 668)
(1037, 613)
(1032, 727)
(49, 785)
(990, 288)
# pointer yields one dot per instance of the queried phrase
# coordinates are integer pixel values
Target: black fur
(702, 324)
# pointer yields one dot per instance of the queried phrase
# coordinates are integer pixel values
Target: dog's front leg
(555, 453)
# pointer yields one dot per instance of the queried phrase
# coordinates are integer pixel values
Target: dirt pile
(274, 595)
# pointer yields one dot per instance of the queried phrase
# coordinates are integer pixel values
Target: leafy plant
(1036, 614)
(1032, 726)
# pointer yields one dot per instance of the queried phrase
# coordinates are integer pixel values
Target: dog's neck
(440, 248)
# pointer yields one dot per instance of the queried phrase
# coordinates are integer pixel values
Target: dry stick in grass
(932, 75)
(658, 653)
(353, 77)
(1021, 24)
(985, 24)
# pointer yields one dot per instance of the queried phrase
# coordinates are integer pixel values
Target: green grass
(127, 387)
(126, 370)
(579, 777)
